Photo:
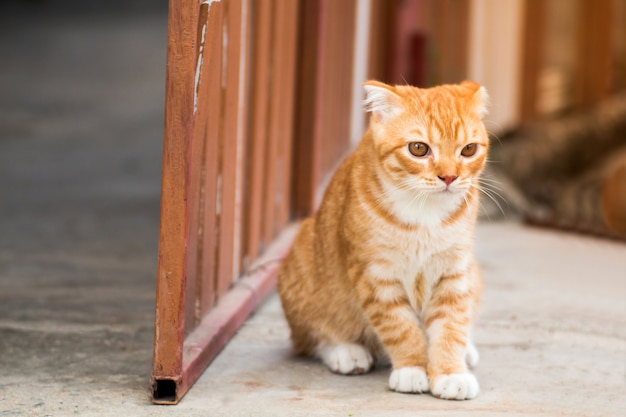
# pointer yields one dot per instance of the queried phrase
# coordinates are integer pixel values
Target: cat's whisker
(491, 182)
(466, 201)
(484, 210)
(491, 133)
(492, 189)
(487, 193)
(489, 179)
(491, 185)
(418, 197)
(388, 194)
(495, 136)
(493, 123)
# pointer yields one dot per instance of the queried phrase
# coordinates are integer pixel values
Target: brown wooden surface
(181, 57)
(227, 161)
(195, 177)
(532, 56)
(324, 93)
(231, 174)
(286, 63)
(382, 18)
(335, 70)
(271, 150)
(211, 100)
(303, 165)
(261, 72)
(280, 121)
(450, 35)
(619, 39)
(595, 52)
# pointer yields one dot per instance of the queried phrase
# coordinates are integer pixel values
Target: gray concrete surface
(81, 116)
(81, 98)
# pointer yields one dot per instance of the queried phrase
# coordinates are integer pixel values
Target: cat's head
(429, 140)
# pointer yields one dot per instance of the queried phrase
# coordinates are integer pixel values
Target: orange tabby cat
(385, 268)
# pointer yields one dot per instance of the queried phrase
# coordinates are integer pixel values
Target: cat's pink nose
(448, 178)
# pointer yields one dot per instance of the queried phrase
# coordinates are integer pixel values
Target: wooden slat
(169, 317)
(232, 146)
(273, 122)
(382, 18)
(324, 82)
(594, 52)
(305, 165)
(335, 95)
(211, 85)
(532, 56)
(619, 44)
(261, 49)
(451, 34)
(282, 121)
(195, 181)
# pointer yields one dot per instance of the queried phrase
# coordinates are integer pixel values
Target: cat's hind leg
(346, 358)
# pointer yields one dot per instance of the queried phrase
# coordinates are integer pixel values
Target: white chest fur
(427, 253)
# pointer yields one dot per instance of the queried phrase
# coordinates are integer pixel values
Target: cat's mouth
(450, 190)
(447, 190)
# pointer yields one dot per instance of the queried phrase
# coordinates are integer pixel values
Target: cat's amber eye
(418, 149)
(469, 150)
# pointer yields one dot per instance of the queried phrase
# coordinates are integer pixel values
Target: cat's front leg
(447, 319)
(394, 321)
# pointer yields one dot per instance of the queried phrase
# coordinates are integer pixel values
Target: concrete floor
(552, 338)
(81, 98)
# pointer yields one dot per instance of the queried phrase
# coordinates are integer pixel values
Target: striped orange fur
(385, 268)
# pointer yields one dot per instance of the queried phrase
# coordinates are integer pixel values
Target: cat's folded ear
(479, 97)
(381, 100)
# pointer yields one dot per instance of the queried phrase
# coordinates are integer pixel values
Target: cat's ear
(381, 100)
(479, 97)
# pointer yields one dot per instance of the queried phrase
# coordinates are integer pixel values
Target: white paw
(471, 354)
(408, 379)
(347, 359)
(455, 386)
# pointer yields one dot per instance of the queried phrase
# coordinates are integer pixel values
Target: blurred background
(263, 100)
